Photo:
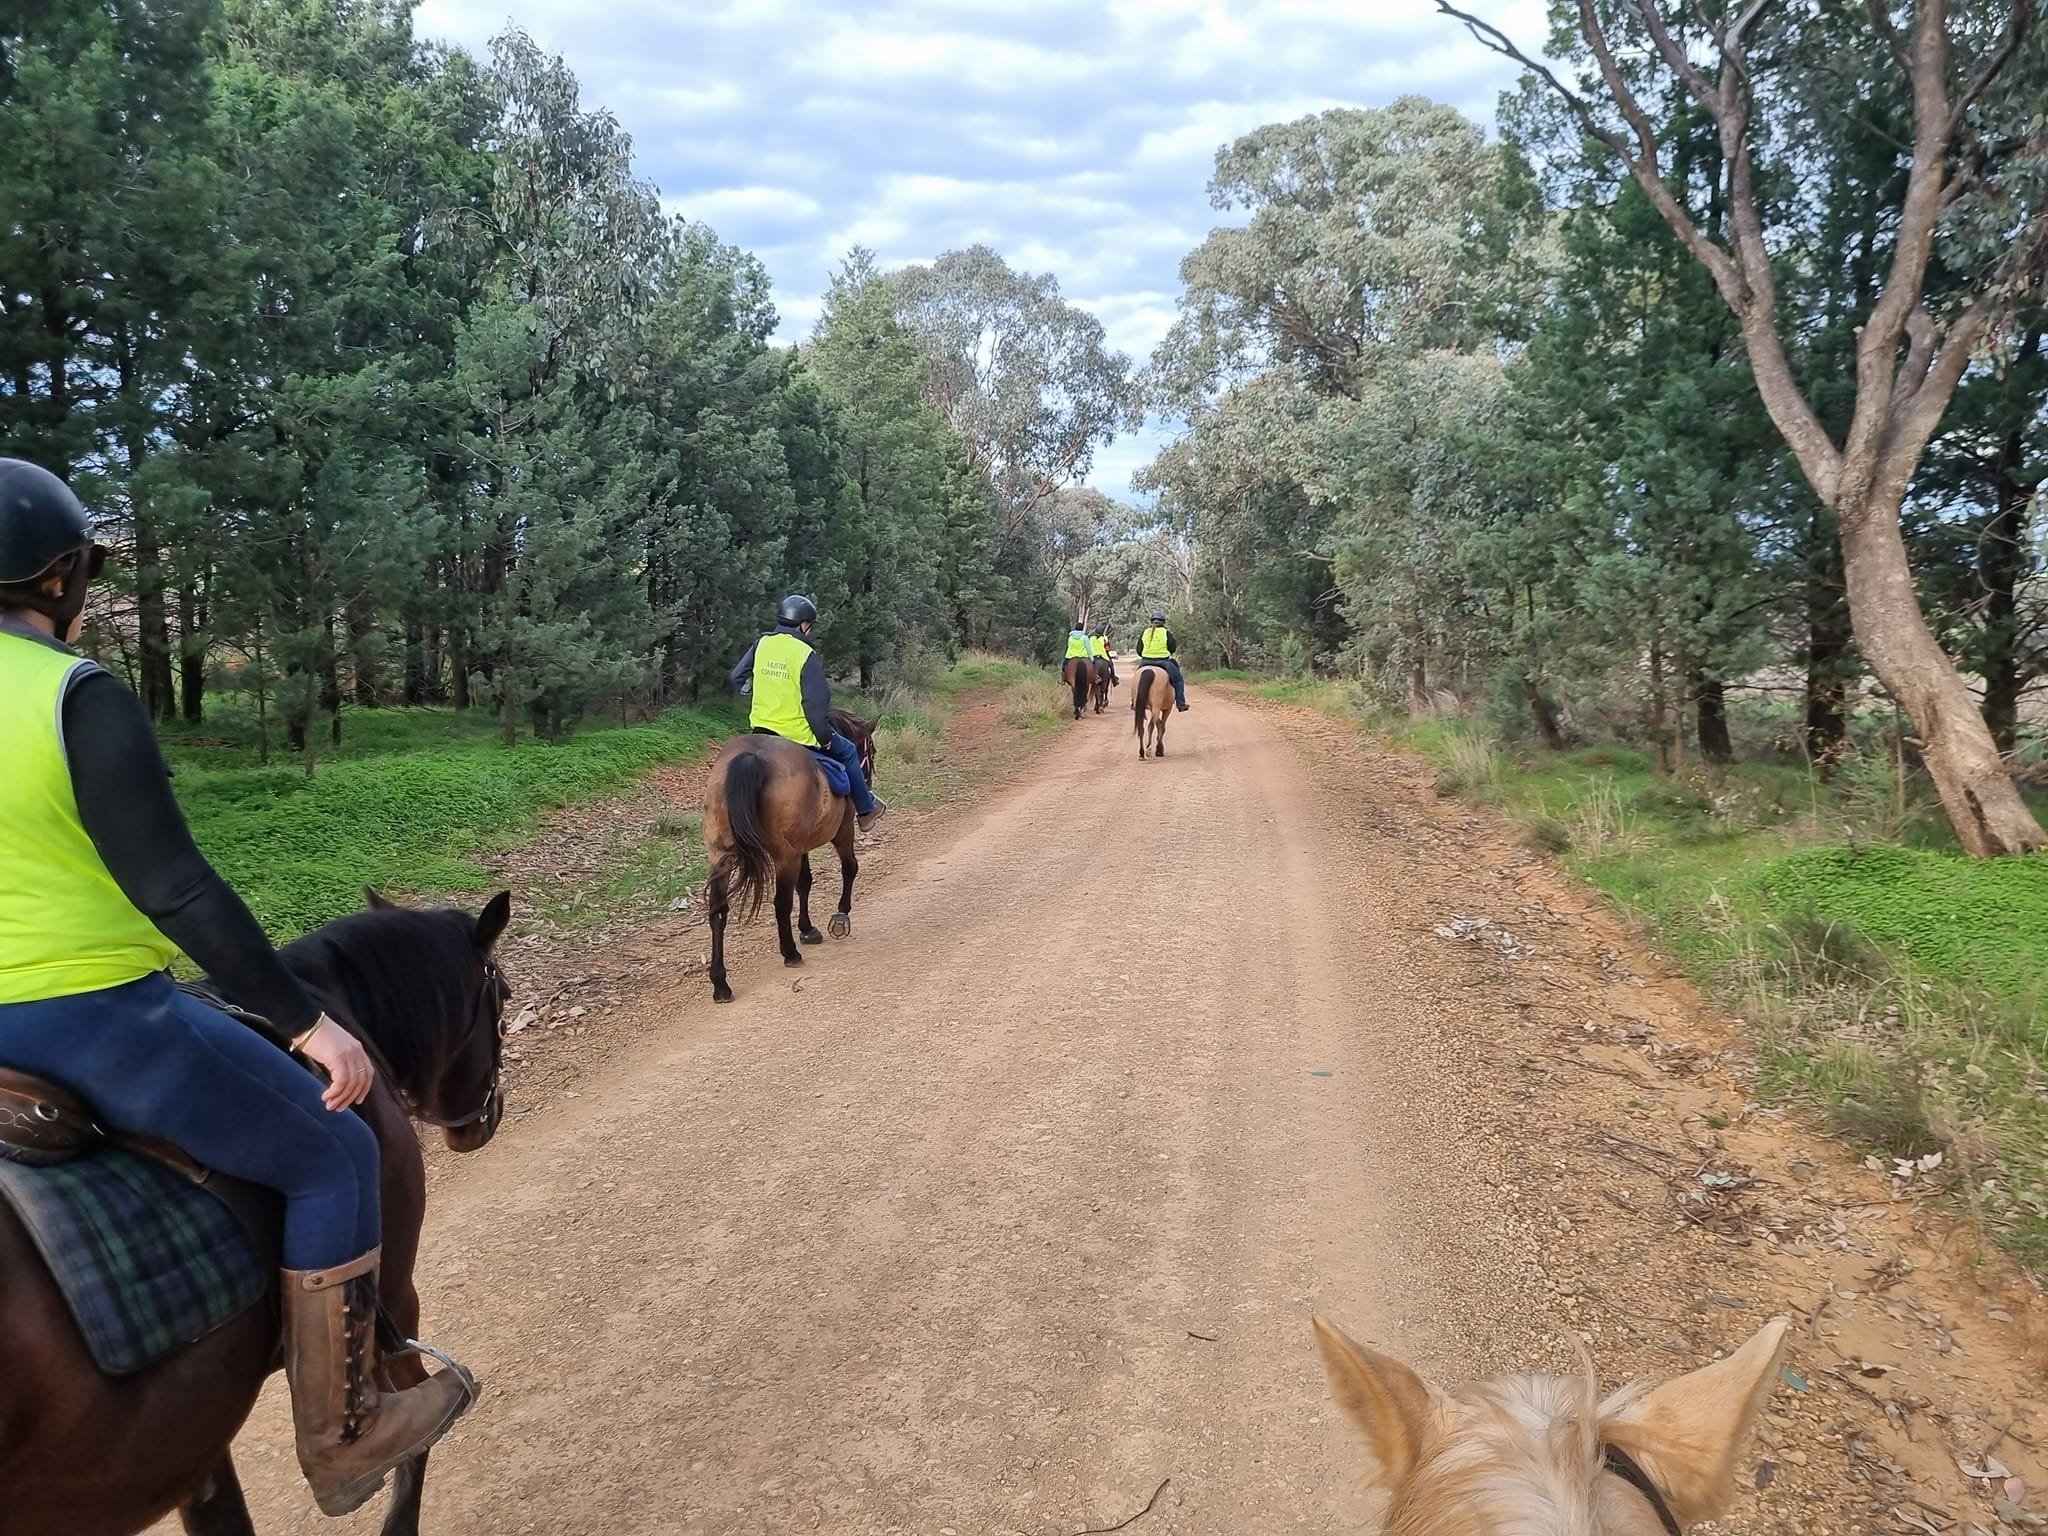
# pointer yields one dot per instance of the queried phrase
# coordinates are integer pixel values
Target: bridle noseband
(1624, 1466)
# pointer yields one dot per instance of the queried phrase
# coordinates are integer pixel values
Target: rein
(1625, 1467)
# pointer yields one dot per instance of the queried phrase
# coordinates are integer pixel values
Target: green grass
(407, 806)
(1896, 987)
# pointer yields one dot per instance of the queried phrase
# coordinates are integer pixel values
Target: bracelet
(299, 1041)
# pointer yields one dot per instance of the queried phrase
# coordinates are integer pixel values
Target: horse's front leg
(220, 1509)
(404, 1191)
(785, 900)
(849, 866)
(717, 903)
(804, 929)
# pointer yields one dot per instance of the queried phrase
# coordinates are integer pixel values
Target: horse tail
(1138, 697)
(745, 780)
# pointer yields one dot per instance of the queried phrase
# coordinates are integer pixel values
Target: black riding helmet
(797, 609)
(41, 521)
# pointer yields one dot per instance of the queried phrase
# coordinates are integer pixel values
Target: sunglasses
(95, 561)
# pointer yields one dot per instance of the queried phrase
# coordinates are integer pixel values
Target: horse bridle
(1629, 1470)
(493, 978)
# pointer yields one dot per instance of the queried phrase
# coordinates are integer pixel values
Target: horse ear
(375, 902)
(490, 923)
(873, 725)
(1686, 1433)
(1395, 1408)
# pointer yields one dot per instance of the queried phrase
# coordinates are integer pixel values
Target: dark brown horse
(767, 806)
(1104, 675)
(1078, 676)
(84, 1454)
(1151, 702)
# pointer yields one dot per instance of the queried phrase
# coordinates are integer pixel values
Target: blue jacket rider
(792, 697)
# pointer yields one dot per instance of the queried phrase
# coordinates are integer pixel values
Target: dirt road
(1016, 1205)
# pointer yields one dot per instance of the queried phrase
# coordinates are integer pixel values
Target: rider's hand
(347, 1064)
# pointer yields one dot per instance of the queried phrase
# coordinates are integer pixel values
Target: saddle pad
(835, 773)
(147, 1260)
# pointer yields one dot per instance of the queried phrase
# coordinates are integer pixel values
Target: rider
(1156, 649)
(793, 697)
(1077, 645)
(100, 889)
(1098, 646)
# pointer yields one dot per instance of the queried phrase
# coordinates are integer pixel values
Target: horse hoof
(812, 936)
(792, 960)
(841, 926)
(721, 994)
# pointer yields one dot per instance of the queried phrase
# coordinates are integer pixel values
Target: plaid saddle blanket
(147, 1260)
(835, 773)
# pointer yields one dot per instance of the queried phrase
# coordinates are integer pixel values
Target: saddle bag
(41, 1123)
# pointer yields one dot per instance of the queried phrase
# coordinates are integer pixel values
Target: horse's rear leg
(717, 903)
(785, 900)
(220, 1509)
(849, 866)
(804, 929)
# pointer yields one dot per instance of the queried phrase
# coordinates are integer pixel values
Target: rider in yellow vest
(792, 697)
(100, 888)
(1098, 647)
(1077, 644)
(1156, 649)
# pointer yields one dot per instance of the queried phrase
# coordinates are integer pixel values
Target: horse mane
(395, 975)
(850, 725)
(1523, 1462)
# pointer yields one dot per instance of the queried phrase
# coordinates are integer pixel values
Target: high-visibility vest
(1077, 644)
(779, 688)
(65, 926)
(1153, 646)
(1097, 646)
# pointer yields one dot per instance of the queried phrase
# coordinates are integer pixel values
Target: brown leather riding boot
(350, 1433)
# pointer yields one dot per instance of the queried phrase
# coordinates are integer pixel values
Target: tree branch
(1881, 20)
(2015, 34)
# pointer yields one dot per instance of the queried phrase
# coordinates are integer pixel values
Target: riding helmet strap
(1625, 1467)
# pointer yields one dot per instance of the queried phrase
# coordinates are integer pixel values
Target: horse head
(423, 989)
(1546, 1455)
(861, 732)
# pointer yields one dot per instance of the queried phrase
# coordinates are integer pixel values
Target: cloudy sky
(1074, 136)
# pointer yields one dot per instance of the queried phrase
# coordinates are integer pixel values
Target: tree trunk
(1710, 701)
(192, 654)
(1541, 712)
(2001, 566)
(1982, 802)
(1660, 725)
(1418, 687)
(1827, 642)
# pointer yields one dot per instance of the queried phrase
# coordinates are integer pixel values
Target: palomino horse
(1547, 1455)
(1078, 676)
(85, 1454)
(767, 806)
(1103, 675)
(1150, 701)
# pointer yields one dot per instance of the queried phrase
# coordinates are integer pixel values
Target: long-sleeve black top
(817, 687)
(123, 788)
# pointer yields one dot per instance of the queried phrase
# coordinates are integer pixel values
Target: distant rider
(1098, 647)
(100, 888)
(793, 697)
(1077, 645)
(1156, 649)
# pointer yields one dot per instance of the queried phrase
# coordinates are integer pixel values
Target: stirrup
(448, 1362)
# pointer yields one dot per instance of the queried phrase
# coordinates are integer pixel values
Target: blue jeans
(152, 1061)
(1171, 668)
(848, 756)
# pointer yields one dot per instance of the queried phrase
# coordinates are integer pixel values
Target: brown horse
(1078, 676)
(1104, 674)
(767, 806)
(1151, 699)
(85, 1454)
(1546, 1455)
